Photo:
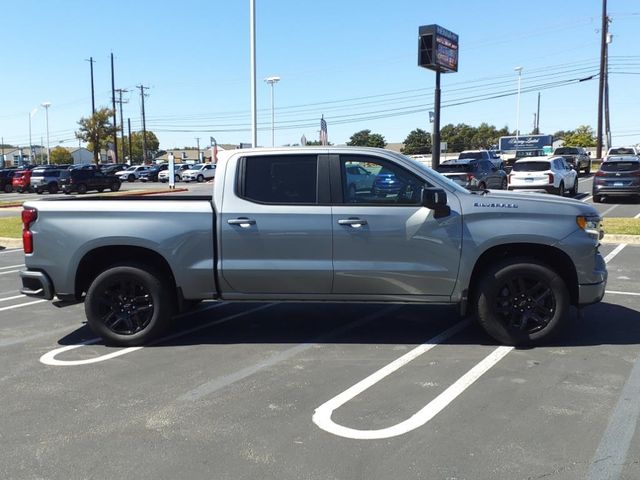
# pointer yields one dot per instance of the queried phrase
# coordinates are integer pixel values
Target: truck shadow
(601, 324)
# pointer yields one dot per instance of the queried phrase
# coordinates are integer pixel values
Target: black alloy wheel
(129, 305)
(522, 302)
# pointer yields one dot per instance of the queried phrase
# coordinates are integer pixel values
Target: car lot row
(212, 397)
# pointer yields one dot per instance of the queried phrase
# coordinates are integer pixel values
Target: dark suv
(474, 174)
(577, 157)
(6, 179)
(82, 180)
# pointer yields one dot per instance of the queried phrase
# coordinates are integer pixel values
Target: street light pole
(272, 81)
(519, 70)
(46, 106)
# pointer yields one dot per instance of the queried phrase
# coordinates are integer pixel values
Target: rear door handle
(242, 221)
(352, 222)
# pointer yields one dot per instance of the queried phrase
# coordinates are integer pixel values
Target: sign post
(172, 171)
(438, 51)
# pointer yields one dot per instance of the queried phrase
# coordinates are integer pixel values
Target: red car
(22, 181)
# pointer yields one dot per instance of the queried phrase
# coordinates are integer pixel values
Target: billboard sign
(437, 48)
(526, 142)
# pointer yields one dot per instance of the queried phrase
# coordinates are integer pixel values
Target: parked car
(358, 179)
(386, 183)
(200, 172)
(151, 175)
(577, 157)
(46, 179)
(113, 168)
(6, 179)
(508, 163)
(474, 174)
(551, 174)
(178, 170)
(132, 173)
(490, 155)
(22, 181)
(619, 177)
(82, 180)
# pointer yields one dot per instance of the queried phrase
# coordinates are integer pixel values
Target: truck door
(276, 226)
(384, 241)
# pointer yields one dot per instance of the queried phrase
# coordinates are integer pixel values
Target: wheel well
(98, 260)
(555, 259)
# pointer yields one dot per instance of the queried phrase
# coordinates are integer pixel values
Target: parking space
(320, 391)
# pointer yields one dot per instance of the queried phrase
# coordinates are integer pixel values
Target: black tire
(598, 199)
(115, 186)
(200, 178)
(129, 305)
(482, 186)
(587, 169)
(100, 190)
(504, 185)
(574, 190)
(176, 178)
(53, 188)
(82, 188)
(560, 190)
(131, 177)
(8, 188)
(521, 301)
(39, 191)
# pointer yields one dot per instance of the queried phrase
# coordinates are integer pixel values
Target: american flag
(324, 139)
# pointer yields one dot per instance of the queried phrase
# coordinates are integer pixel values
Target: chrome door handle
(242, 221)
(352, 222)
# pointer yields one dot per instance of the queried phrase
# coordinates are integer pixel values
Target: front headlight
(592, 225)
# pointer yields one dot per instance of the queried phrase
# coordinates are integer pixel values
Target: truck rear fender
(98, 260)
(553, 257)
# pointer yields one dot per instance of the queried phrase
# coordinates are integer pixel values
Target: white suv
(551, 174)
(132, 173)
(199, 172)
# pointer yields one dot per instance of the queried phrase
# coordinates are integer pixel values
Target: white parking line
(609, 209)
(22, 305)
(322, 415)
(11, 298)
(614, 252)
(613, 292)
(49, 358)
(637, 216)
(12, 266)
(8, 272)
(11, 251)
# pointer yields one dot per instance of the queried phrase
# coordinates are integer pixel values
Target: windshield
(454, 167)
(197, 166)
(531, 166)
(477, 155)
(566, 150)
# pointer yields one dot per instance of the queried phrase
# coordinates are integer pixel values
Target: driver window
(369, 180)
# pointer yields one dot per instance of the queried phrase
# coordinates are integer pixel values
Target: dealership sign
(526, 142)
(437, 48)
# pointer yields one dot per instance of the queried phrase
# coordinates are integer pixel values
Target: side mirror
(436, 199)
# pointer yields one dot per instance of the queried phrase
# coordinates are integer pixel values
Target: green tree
(97, 131)
(60, 155)
(583, 136)
(153, 144)
(417, 142)
(364, 138)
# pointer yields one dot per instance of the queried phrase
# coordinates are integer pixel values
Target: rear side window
(531, 166)
(620, 166)
(281, 179)
(477, 155)
(455, 167)
(566, 151)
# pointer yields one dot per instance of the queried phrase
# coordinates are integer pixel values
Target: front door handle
(352, 222)
(242, 221)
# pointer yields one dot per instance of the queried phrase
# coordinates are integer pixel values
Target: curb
(7, 242)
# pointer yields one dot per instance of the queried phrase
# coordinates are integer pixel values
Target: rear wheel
(82, 188)
(522, 301)
(560, 190)
(8, 188)
(129, 305)
(39, 191)
(574, 189)
(587, 169)
(131, 177)
(53, 188)
(115, 186)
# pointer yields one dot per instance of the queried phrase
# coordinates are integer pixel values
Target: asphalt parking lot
(298, 391)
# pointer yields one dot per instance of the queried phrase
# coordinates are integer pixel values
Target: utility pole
(144, 125)
(538, 116)
(198, 142)
(129, 124)
(120, 102)
(607, 119)
(115, 115)
(93, 95)
(603, 48)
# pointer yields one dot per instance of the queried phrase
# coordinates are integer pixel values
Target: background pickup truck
(284, 225)
(577, 157)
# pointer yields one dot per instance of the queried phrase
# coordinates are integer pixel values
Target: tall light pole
(272, 81)
(252, 42)
(519, 70)
(31, 114)
(46, 106)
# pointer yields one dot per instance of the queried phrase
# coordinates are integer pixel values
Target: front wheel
(129, 305)
(521, 301)
(574, 189)
(115, 186)
(82, 188)
(200, 178)
(8, 188)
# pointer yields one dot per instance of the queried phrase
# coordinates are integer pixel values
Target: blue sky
(352, 61)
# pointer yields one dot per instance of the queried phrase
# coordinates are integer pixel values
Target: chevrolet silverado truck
(283, 225)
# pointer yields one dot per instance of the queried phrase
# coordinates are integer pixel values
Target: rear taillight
(470, 177)
(600, 173)
(550, 177)
(29, 215)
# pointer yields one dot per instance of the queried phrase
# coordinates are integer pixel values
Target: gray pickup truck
(289, 225)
